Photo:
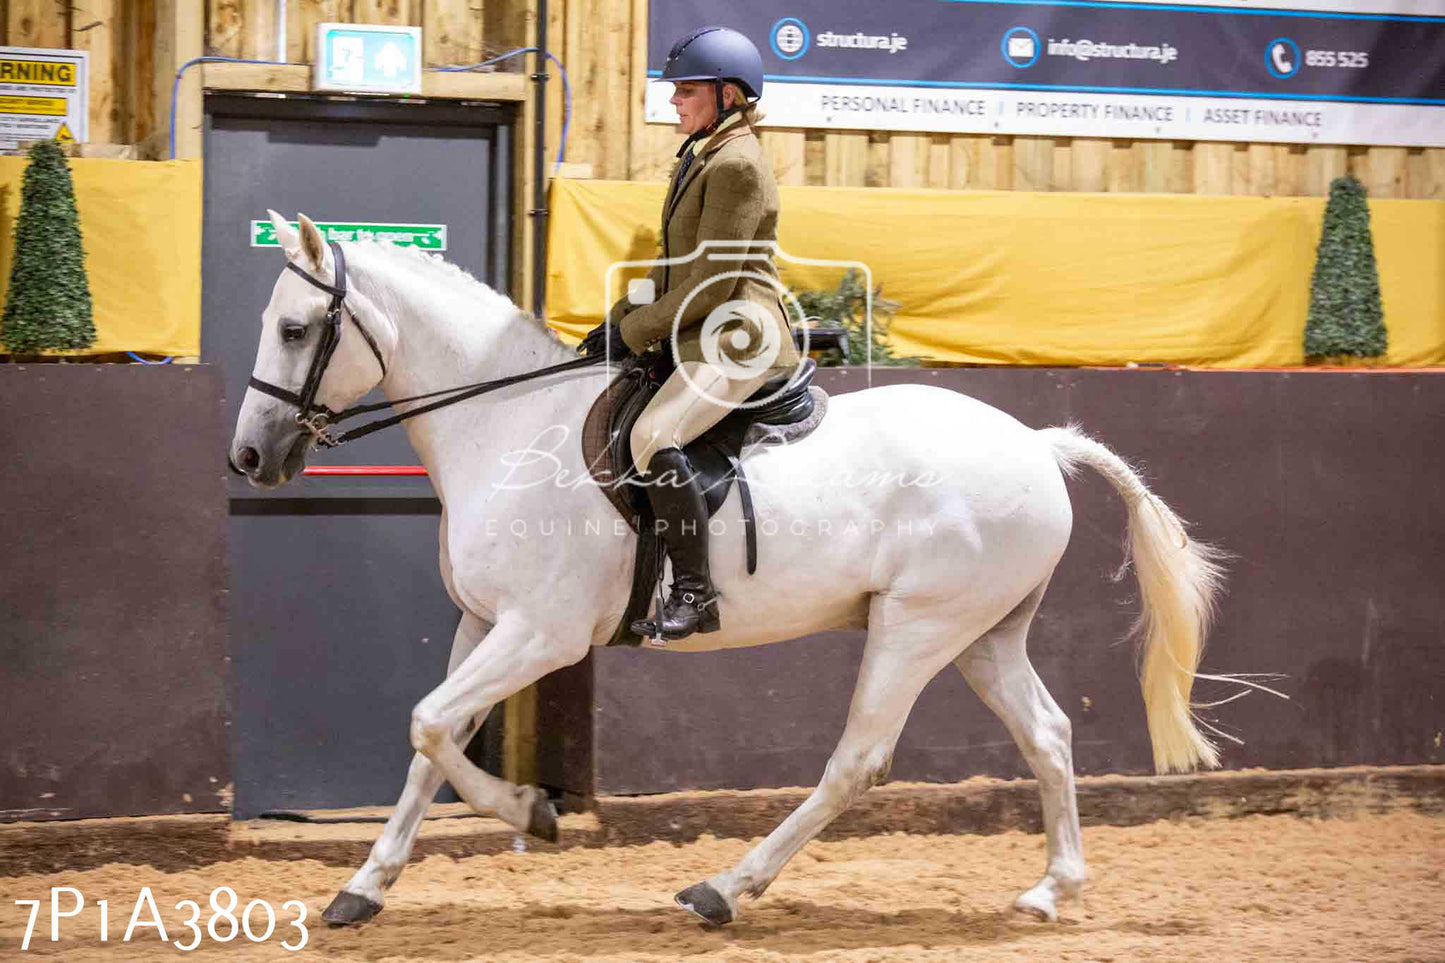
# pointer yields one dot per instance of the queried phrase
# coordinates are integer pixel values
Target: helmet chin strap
(721, 114)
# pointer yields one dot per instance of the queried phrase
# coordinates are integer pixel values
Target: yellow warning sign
(44, 106)
(43, 93)
(47, 72)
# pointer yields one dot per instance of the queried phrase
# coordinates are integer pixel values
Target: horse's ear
(313, 245)
(286, 235)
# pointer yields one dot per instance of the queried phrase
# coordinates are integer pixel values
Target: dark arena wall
(114, 679)
(1326, 488)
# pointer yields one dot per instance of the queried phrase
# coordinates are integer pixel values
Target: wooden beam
(37, 23)
(258, 30)
(937, 172)
(394, 12)
(1289, 170)
(813, 160)
(963, 161)
(1263, 176)
(845, 159)
(302, 16)
(1034, 163)
(1385, 171)
(650, 147)
(297, 77)
(786, 149)
(179, 37)
(1156, 157)
(1213, 168)
(1125, 173)
(225, 28)
(99, 28)
(519, 737)
(1089, 163)
(903, 160)
(1322, 165)
(451, 33)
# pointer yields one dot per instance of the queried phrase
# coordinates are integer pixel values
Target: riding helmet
(716, 53)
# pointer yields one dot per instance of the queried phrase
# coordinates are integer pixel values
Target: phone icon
(1279, 53)
(1283, 58)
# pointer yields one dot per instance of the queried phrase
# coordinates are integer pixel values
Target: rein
(317, 419)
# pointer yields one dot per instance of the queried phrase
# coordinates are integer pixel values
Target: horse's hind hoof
(705, 902)
(543, 822)
(348, 909)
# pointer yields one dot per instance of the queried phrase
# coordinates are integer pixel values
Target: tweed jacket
(728, 194)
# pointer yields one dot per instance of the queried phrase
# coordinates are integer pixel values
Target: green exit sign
(367, 58)
(428, 237)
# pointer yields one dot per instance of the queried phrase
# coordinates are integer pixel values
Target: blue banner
(1082, 67)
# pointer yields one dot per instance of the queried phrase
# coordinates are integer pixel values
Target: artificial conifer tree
(846, 307)
(1346, 318)
(47, 305)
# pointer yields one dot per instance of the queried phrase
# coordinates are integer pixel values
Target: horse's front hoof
(543, 821)
(348, 909)
(705, 902)
(1039, 904)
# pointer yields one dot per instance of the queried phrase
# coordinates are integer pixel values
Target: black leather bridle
(317, 419)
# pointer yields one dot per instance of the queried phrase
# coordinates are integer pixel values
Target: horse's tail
(1179, 582)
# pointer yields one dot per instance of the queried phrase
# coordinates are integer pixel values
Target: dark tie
(682, 170)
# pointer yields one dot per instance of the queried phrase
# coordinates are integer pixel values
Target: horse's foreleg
(903, 652)
(997, 667)
(513, 656)
(364, 895)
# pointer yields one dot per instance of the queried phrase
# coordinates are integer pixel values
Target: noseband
(317, 419)
(309, 415)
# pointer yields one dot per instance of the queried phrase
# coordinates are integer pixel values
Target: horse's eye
(293, 331)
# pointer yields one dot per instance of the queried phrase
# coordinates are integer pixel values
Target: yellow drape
(140, 226)
(1012, 277)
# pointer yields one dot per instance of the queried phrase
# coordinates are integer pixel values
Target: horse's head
(270, 443)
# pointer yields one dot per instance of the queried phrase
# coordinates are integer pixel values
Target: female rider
(722, 318)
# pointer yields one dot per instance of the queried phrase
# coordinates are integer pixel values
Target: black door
(340, 622)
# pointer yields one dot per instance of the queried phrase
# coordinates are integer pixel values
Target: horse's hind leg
(998, 669)
(905, 649)
(364, 894)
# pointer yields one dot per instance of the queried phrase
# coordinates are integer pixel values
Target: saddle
(716, 458)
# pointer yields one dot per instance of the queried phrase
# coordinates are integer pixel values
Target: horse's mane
(416, 261)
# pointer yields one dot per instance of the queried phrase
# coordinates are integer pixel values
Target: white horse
(931, 519)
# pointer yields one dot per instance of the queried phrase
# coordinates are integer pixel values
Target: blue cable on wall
(561, 147)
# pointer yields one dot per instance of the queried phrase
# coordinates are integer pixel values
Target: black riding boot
(681, 512)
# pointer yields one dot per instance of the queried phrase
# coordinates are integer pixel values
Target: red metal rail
(366, 470)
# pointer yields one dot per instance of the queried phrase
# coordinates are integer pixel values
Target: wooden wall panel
(225, 28)
(1322, 165)
(1034, 163)
(452, 34)
(1125, 170)
(1088, 164)
(37, 23)
(814, 163)
(98, 26)
(1213, 168)
(963, 161)
(1289, 170)
(786, 149)
(598, 54)
(403, 13)
(302, 16)
(907, 160)
(845, 159)
(604, 46)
